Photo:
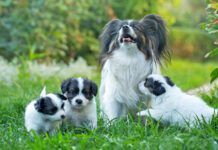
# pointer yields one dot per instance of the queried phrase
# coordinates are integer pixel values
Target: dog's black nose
(125, 28)
(62, 116)
(79, 101)
(149, 82)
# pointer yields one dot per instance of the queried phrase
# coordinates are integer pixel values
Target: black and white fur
(130, 50)
(172, 106)
(81, 106)
(46, 113)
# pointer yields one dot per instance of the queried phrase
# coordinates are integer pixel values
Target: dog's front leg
(150, 113)
(93, 121)
(113, 109)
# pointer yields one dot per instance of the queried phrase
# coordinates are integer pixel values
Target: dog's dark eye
(85, 91)
(133, 26)
(54, 110)
(62, 106)
(75, 90)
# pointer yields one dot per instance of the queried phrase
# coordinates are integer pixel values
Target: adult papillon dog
(130, 51)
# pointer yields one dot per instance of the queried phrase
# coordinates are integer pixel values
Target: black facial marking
(69, 83)
(169, 81)
(90, 89)
(44, 105)
(61, 96)
(154, 87)
(70, 87)
(62, 106)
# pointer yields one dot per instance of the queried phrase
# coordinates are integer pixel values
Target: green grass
(120, 135)
(188, 74)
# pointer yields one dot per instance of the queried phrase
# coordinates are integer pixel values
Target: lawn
(189, 74)
(120, 135)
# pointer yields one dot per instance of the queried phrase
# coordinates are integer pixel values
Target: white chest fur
(122, 73)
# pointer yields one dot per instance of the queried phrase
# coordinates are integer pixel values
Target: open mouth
(127, 39)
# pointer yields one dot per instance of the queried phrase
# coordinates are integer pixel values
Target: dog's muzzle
(126, 36)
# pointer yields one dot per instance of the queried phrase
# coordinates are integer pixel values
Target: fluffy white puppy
(45, 114)
(81, 106)
(172, 106)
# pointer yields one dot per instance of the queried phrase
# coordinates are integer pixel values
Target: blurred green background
(45, 30)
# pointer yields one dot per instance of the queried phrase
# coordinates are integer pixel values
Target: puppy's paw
(143, 113)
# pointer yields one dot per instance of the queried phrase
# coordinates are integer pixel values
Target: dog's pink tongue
(127, 39)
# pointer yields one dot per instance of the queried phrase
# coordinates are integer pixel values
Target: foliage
(212, 16)
(211, 97)
(48, 29)
(188, 74)
(189, 42)
(212, 28)
(138, 9)
(66, 29)
(190, 13)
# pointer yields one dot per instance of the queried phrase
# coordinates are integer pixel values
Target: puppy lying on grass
(172, 106)
(46, 113)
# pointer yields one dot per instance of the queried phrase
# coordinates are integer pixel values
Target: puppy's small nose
(62, 116)
(148, 82)
(125, 28)
(79, 101)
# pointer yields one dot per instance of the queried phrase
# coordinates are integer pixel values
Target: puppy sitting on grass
(172, 106)
(81, 106)
(46, 113)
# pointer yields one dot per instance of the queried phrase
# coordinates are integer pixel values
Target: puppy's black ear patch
(169, 81)
(44, 105)
(67, 84)
(64, 85)
(38, 105)
(61, 96)
(158, 89)
(94, 88)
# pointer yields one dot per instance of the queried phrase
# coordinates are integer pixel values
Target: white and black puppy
(130, 50)
(81, 106)
(46, 113)
(172, 106)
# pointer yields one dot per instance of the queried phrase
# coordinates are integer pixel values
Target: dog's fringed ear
(94, 88)
(61, 96)
(64, 85)
(108, 34)
(43, 92)
(169, 81)
(39, 105)
(155, 30)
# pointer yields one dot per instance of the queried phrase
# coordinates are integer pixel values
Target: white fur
(176, 107)
(43, 92)
(84, 115)
(40, 122)
(121, 74)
